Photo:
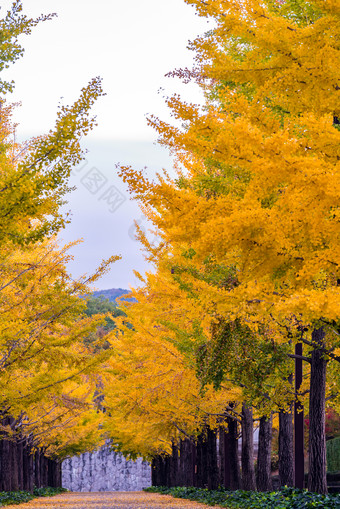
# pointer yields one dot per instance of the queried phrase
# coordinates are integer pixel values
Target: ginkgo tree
(49, 378)
(258, 177)
(148, 380)
(12, 25)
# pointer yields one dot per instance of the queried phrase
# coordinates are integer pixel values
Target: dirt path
(110, 500)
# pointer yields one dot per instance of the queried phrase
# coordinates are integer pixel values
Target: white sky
(132, 45)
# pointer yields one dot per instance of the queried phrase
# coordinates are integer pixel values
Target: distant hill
(112, 294)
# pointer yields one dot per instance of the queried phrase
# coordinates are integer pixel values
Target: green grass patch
(19, 497)
(286, 498)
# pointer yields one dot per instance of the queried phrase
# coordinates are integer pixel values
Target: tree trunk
(20, 450)
(14, 465)
(235, 471)
(317, 481)
(225, 458)
(221, 432)
(247, 458)
(202, 464)
(299, 445)
(52, 473)
(5, 466)
(187, 458)
(167, 464)
(263, 478)
(37, 469)
(28, 470)
(155, 471)
(212, 460)
(59, 475)
(286, 453)
(43, 469)
(175, 476)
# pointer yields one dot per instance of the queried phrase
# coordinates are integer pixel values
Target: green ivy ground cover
(333, 454)
(18, 497)
(284, 499)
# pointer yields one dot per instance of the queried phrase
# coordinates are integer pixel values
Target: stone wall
(105, 470)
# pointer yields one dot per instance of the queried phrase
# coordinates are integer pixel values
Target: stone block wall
(105, 470)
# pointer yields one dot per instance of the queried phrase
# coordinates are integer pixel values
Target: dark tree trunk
(12, 458)
(20, 450)
(299, 457)
(167, 463)
(59, 475)
(212, 460)
(155, 468)
(235, 471)
(52, 471)
(5, 466)
(247, 458)
(225, 458)
(192, 464)
(263, 478)
(37, 469)
(202, 464)
(6, 458)
(43, 469)
(175, 475)
(14, 466)
(317, 481)
(28, 470)
(163, 471)
(221, 456)
(286, 453)
(187, 458)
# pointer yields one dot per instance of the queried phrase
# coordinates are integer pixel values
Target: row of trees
(246, 274)
(23, 465)
(48, 375)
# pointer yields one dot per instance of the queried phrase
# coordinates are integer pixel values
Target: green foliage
(333, 455)
(284, 499)
(48, 491)
(101, 305)
(251, 361)
(301, 12)
(19, 497)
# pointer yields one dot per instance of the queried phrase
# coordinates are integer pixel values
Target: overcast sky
(131, 45)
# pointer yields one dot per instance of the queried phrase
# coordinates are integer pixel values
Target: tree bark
(247, 458)
(59, 475)
(5, 466)
(20, 449)
(212, 460)
(317, 481)
(175, 474)
(155, 467)
(167, 463)
(28, 469)
(5, 459)
(286, 453)
(202, 464)
(37, 469)
(14, 465)
(299, 457)
(263, 478)
(235, 471)
(187, 458)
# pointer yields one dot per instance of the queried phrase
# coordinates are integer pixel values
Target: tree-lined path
(109, 500)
